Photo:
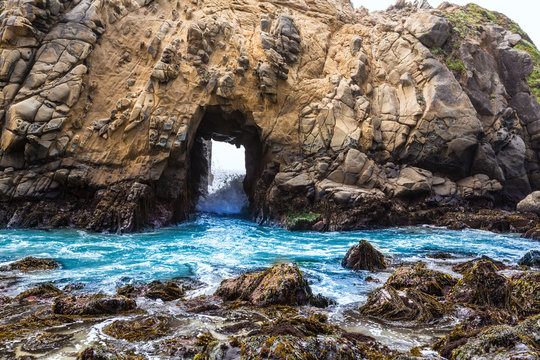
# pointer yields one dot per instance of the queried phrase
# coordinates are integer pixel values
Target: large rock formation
(106, 105)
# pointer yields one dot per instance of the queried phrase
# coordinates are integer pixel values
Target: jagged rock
(31, 264)
(280, 285)
(44, 291)
(526, 292)
(482, 285)
(503, 342)
(431, 30)
(532, 258)
(465, 267)
(405, 305)
(419, 277)
(92, 305)
(143, 329)
(363, 256)
(390, 117)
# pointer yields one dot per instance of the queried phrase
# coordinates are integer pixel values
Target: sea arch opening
(222, 188)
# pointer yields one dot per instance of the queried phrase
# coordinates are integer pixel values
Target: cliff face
(105, 105)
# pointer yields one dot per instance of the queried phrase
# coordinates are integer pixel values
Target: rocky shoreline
(490, 310)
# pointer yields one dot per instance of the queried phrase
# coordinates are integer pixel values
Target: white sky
(228, 157)
(525, 12)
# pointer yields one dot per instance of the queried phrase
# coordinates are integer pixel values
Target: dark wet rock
(141, 329)
(31, 264)
(503, 342)
(482, 285)
(440, 255)
(93, 305)
(99, 352)
(165, 291)
(297, 326)
(404, 305)
(40, 292)
(73, 287)
(421, 278)
(181, 347)
(290, 347)
(46, 342)
(526, 293)
(490, 220)
(532, 258)
(363, 256)
(282, 284)
(208, 305)
(462, 268)
(245, 326)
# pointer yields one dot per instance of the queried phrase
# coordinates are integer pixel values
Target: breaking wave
(226, 196)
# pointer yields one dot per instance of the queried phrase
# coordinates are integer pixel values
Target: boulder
(526, 293)
(282, 284)
(404, 305)
(419, 277)
(464, 267)
(363, 256)
(141, 329)
(530, 204)
(482, 285)
(532, 258)
(31, 264)
(43, 291)
(503, 342)
(431, 30)
(93, 305)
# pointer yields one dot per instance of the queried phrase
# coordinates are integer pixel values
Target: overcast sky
(525, 12)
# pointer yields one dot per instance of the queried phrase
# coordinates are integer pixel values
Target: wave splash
(226, 196)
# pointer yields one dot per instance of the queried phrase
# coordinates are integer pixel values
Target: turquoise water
(211, 248)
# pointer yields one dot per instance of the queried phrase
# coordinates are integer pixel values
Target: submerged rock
(363, 256)
(45, 342)
(404, 305)
(419, 277)
(43, 291)
(482, 285)
(142, 329)
(93, 305)
(31, 264)
(532, 258)
(282, 284)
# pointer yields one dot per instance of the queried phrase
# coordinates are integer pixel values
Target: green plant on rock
(534, 79)
(295, 217)
(456, 65)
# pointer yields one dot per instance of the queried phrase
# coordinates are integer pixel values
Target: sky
(524, 12)
(228, 157)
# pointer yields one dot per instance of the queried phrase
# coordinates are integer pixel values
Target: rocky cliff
(360, 118)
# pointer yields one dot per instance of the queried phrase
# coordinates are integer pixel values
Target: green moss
(294, 218)
(456, 65)
(534, 78)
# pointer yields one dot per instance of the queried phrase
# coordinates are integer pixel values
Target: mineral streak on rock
(352, 115)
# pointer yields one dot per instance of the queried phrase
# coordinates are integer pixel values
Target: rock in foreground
(282, 284)
(419, 277)
(31, 264)
(92, 305)
(363, 256)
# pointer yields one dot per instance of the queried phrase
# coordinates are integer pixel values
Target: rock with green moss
(503, 342)
(31, 264)
(405, 305)
(482, 285)
(526, 292)
(465, 267)
(419, 277)
(140, 329)
(282, 284)
(301, 221)
(532, 258)
(364, 256)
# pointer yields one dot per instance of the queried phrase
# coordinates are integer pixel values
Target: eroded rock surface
(357, 118)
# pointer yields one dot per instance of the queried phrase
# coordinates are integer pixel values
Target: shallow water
(211, 248)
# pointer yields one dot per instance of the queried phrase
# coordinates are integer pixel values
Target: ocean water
(211, 248)
(220, 243)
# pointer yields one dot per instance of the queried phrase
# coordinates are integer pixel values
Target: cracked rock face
(104, 106)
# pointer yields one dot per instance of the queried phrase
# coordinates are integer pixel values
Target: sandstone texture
(106, 107)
